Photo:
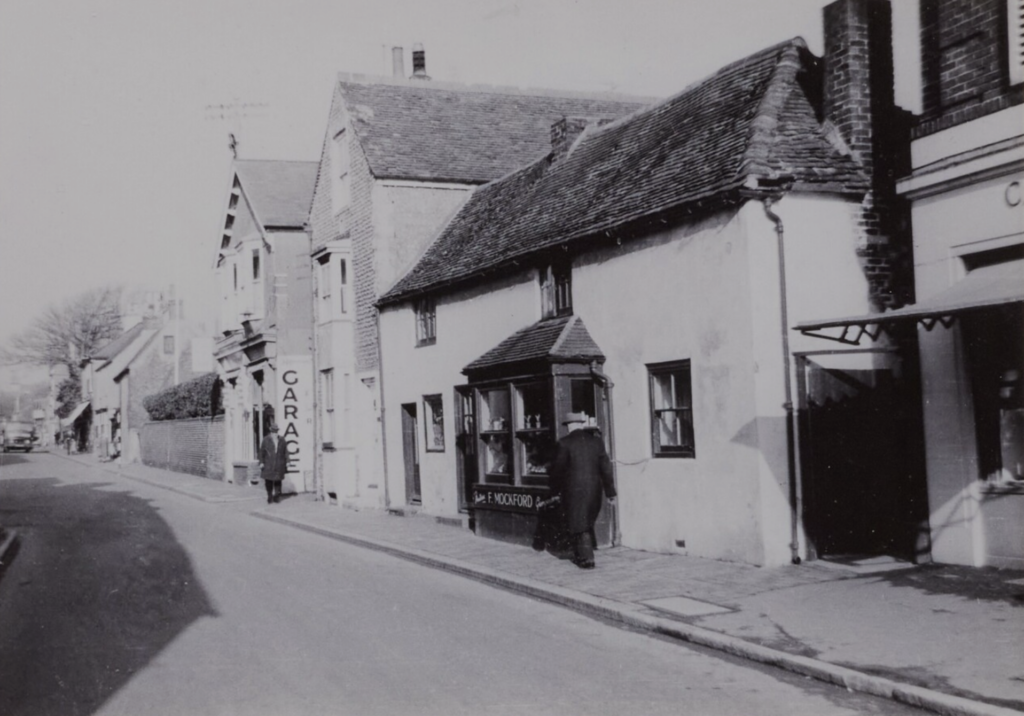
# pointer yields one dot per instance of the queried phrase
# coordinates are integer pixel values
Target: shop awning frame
(988, 287)
(75, 414)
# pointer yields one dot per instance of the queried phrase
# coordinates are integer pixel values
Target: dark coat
(273, 463)
(580, 473)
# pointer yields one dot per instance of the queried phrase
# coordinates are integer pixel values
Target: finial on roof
(233, 145)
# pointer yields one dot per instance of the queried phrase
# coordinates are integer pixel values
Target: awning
(75, 414)
(986, 287)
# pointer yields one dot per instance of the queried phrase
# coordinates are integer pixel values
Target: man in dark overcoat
(273, 463)
(581, 475)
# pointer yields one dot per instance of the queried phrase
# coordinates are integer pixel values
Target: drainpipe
(603, 379)
(794, 492)
(383, 421)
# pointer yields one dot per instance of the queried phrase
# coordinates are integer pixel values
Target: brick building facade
(964, 190)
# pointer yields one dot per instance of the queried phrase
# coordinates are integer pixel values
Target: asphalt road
(126, 599)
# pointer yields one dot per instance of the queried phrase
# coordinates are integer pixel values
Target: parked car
(18, 436)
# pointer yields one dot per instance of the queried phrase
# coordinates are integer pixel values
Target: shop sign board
(509, 498)
(295, 376)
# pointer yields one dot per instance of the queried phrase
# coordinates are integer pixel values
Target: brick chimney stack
(858, 74)
(566, 130)
(419, 63)
(858, 100)
(398, 62)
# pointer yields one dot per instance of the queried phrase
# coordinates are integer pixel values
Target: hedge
(192, 399)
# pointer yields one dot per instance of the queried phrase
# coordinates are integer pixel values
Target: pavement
(948, 639)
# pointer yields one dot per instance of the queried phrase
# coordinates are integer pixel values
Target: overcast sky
(113, 148)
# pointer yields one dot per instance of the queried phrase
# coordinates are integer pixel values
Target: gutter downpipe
(596, 372)
(794, 488)
(383, 421)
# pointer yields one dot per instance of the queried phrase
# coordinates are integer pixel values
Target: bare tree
(68, 332)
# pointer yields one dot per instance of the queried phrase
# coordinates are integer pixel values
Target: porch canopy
(75, 414)
(536, 348)
(985, 287)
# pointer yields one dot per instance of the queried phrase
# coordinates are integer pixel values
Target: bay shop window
(512, 425)
(509, 418)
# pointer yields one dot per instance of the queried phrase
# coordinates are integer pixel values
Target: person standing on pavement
(581, 475)
(273, 461)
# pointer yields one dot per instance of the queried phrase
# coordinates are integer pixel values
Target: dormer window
(340, 188)
(556, 290)
(426, 322)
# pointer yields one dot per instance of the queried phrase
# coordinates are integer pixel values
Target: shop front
(972, 405)
(509, 421)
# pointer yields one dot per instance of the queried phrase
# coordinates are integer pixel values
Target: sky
(115, 114)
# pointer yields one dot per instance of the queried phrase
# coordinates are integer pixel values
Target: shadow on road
(9, 458)
(99, 587)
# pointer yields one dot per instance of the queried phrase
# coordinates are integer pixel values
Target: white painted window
(556, 290)
(1015, 43)
(343, 299)
(346, 410)
(327, 385)
(671, 409)
(426, 322)
(433, 423)
(340, 160)
(325, 285)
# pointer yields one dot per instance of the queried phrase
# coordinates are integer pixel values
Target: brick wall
(964, 62)
(355, 222)
(194, 446)
(858, 98)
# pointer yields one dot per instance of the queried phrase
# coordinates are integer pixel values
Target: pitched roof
(563, 339)
(280, 191)
(110, 350)
(750, 120)
(461, 133)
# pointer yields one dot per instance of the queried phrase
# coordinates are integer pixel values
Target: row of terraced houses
(791, 309)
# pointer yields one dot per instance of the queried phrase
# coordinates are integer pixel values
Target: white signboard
(295, 415)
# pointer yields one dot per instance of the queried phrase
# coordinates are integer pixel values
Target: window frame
(556, 289)
(168, 342)
(343, 300)
(330, 426)
(324, 277)
(426, 321)
(257, 265)
(433, 416)
(341, 186)
(671, 368)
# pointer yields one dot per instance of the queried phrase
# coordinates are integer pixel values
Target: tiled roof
(280, 191)
(109, 351)
(750, 120)
(461, 133)
(553, 339)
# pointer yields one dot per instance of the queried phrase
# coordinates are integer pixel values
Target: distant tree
(67, 332)
(69, 394)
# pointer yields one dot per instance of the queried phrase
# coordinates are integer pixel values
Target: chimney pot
(398, 62)
(419, 62)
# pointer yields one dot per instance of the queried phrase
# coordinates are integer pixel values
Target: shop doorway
(861, 455)
(410, 450)
(467, 466)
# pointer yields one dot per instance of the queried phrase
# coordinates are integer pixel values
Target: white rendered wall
(947, 226)
(469, 324)
(708, 293)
